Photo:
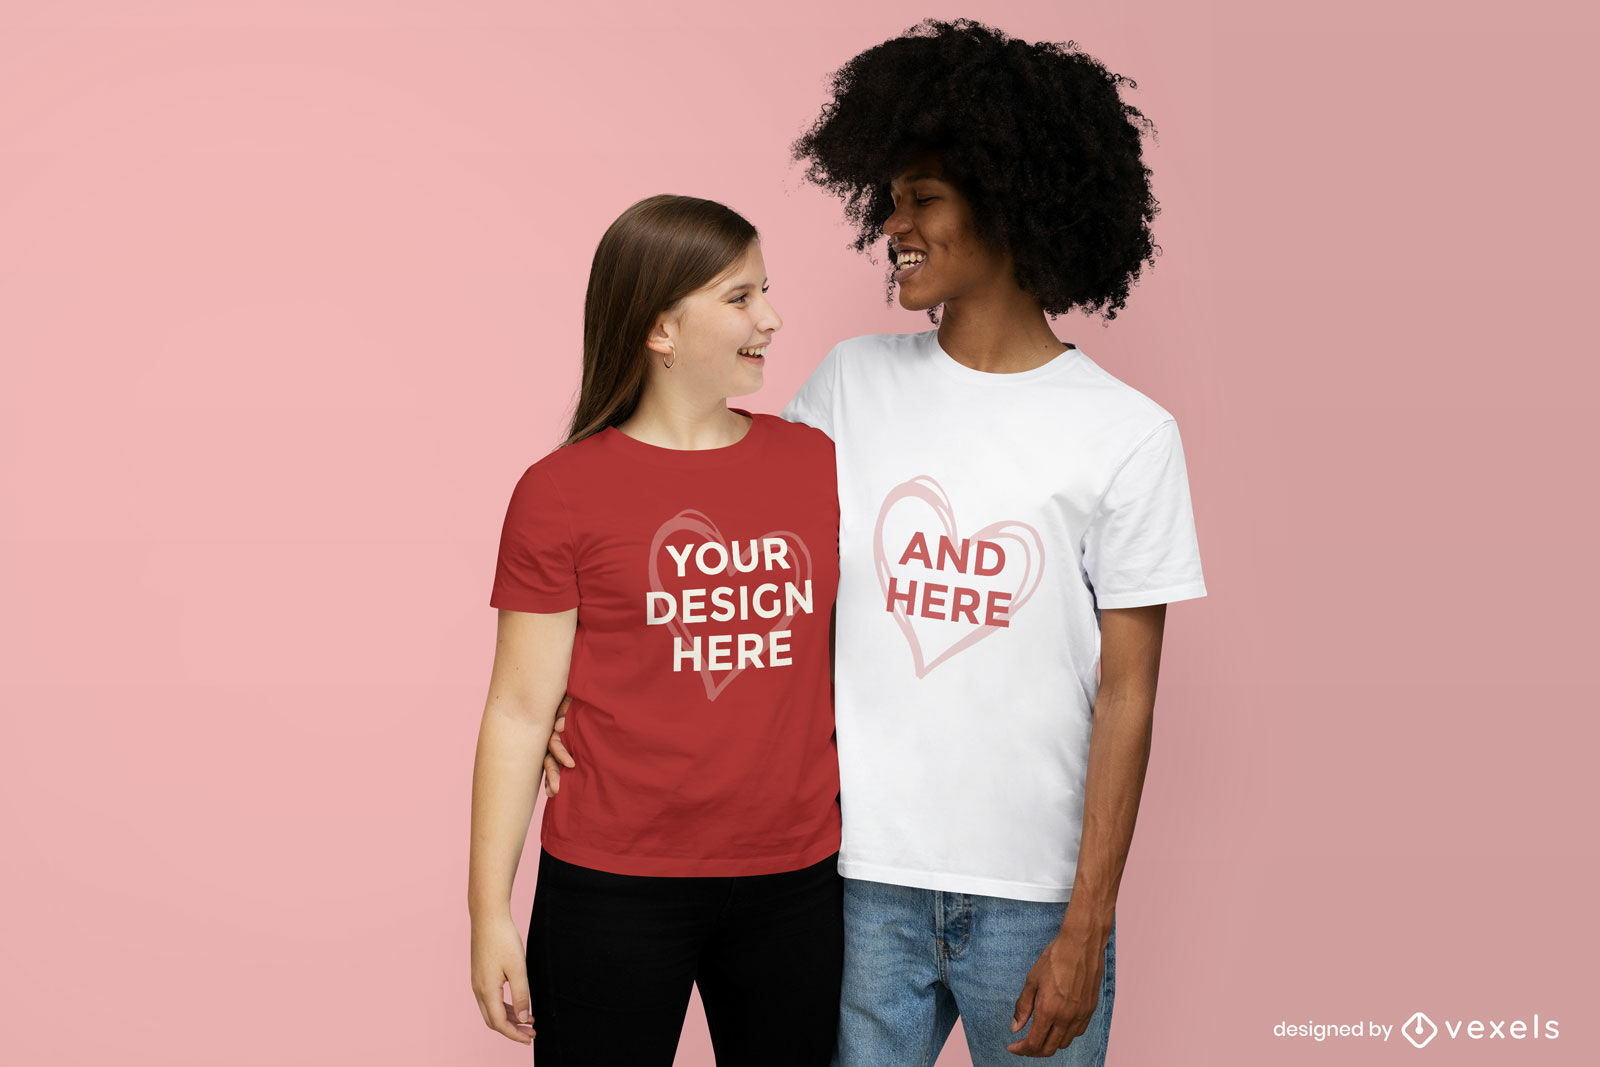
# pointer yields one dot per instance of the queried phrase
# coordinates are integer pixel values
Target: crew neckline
(662, 456)
(957, 369)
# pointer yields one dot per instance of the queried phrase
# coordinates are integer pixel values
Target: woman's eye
(926, 199)
(738, 299)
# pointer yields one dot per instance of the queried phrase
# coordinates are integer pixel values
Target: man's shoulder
(872, 361)
(1114, 397)
(874, 344)
(857, 365)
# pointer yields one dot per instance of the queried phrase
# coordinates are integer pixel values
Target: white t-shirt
(984, 521)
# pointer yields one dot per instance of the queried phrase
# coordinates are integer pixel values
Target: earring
(669, 361)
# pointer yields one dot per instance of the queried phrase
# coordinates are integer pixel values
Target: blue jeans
(915, 959)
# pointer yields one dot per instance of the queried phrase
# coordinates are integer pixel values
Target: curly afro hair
(1035, 136)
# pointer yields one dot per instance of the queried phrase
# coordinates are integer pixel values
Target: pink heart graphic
(698, 524)
(926, 491)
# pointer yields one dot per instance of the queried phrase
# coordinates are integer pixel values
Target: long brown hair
(656, 253)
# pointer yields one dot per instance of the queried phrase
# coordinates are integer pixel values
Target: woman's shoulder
(577, 460)
(795, 434)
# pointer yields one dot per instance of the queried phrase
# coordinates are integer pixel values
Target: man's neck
(1003, 333)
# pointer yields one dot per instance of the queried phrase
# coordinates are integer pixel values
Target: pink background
(290, 294)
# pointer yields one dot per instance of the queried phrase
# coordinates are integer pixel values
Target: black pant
(612, 958)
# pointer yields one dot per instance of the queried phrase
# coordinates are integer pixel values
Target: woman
(672, 567)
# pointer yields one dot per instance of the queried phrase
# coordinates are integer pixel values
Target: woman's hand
(498, 957)
(556, 755)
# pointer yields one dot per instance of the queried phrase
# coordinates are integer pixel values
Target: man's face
(937, 254)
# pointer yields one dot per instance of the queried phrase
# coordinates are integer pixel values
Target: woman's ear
(661, 336)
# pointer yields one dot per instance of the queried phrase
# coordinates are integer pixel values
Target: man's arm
(556, 755)
(1063, 988)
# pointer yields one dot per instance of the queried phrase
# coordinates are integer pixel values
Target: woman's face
(719, 333)
(938, 256)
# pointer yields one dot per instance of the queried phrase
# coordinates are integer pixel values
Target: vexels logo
(1419, 1030)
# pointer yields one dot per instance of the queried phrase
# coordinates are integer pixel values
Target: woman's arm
(532, 655)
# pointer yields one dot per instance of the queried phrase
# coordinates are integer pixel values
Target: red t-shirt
(702, 698)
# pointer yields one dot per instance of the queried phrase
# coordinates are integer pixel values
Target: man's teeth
(909, 259)
(753, 351)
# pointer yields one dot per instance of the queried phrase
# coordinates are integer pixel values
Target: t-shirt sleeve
(813, 403)
(536, 569)
(1140, 546)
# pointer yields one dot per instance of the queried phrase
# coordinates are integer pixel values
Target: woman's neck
(689, 426)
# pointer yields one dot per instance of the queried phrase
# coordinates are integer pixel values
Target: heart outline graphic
(925, 489)
(698, 523)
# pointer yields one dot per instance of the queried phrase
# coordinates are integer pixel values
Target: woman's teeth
(909, 259)
(761, 351)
